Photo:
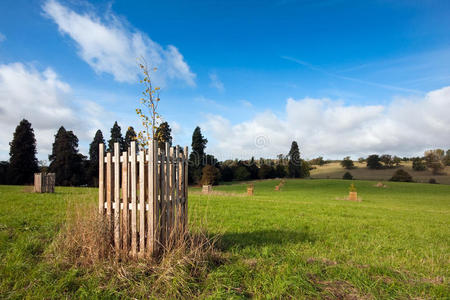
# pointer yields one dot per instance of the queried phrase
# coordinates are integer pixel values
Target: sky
(339, 77)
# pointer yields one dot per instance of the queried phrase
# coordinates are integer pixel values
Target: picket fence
(144, 197)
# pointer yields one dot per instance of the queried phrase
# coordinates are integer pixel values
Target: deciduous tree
(373, 162)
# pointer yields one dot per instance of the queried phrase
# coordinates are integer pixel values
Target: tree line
(435, 160)
(75, 169)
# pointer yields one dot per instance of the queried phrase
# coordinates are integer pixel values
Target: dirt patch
(384, 279)
(28, 189)
(347, 199)
(338, 289)
(322, 261)
(219, 193)
(380, 185)
(251, 262)
(435, 280)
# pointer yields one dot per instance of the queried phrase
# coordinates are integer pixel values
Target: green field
(301, 242)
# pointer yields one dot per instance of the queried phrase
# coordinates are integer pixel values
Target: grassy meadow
(304, 241)
(334, 170)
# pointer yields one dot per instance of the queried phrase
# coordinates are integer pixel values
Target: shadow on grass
(260, 238)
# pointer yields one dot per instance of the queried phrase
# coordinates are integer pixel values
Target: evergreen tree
(294, 165)
(23, 162)
(197, 156)
(4, 169)
(129, 137)
(94, 159)
(65, 161)
(116, 137)
(163, 135)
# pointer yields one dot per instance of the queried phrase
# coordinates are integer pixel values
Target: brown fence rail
(143, 196)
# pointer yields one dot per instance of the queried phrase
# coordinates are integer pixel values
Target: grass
(361, 172)
(300, 242)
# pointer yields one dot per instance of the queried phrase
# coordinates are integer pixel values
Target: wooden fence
(144, 197)
(44, 183)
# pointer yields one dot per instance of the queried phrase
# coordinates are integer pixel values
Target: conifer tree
(23, 162)
(129, 137)
(294, 165)
(94, 159)
(65, 161)
(116, 137)
(197, 156)
(163, 134)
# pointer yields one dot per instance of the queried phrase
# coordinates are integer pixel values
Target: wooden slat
(133, 200)
(185, 204)
(167, 188)
(179, 187)
(151, 199)
(125, 211)
(158, 197)
(171, 190)
(141, 202)
(108, 186)
(163, 203)
(101, 175)
(175, 187)
(116, 197)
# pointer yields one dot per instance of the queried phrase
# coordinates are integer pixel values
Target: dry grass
(361, 172)
(85, 242)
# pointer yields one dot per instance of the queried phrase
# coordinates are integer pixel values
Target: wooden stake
(141, 203)
(125, 210)
(133, 200)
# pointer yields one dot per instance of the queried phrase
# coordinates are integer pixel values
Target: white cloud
(2, 37)
(110, 46)
(47, 102)
(216, 82)
(246, 103)
(332, 129)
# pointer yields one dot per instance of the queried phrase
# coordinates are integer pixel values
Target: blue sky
(341, 77)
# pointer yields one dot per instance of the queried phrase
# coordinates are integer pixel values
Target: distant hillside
(335, 170)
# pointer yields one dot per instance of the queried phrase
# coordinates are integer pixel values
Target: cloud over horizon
(47, 103)
(324, 127)
(110, 46)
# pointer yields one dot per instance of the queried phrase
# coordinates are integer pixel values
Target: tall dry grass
(84, 243)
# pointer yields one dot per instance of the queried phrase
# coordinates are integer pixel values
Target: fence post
(108, 188)
(141, 203)
(185, 204)
(116, 196)
(152, 199)
(172, 194)
(125, 211)
(176, 170)
(101, 175)
(167, 193)
(133, 200)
